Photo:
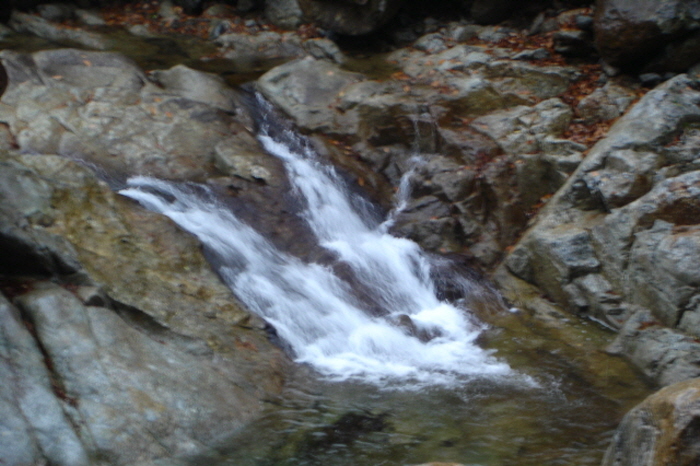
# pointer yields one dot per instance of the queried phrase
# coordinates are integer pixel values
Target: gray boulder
(305, 90)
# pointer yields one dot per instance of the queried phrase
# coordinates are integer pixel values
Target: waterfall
(414, 339)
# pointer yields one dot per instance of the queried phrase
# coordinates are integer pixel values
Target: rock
(198, 86)
(431, 43)
(661, 430)
(144, 353)
(56, 12)
(296, 89)
(285, 14)
(573, 43)
(23, 22)
(34, 423)
(101, 108)
(542, 82)
(89, 17)
(630, 35)
(623, 230)
(663, 354)
(605, 103)
(522, 129)
(353, 17)
(255, 50)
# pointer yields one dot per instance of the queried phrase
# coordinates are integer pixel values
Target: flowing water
(392, 373)
(399, 334)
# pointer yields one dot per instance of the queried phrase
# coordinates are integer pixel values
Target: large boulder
(664, 429)
(122, 344)
(661, 35)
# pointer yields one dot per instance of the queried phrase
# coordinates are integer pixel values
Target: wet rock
(663, 429)
(630, 35)
(664, 354)
(352, 17)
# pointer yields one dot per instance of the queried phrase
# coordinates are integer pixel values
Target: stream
(390, 372)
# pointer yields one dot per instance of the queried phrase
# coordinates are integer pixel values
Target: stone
(663, 429)
(34, 426)
(23, 22)
(198, 86)
(285, 14)
(520, 130)
(605, 103)
(522, 78)
(295, 88)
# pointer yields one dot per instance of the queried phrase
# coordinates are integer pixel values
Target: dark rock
(284, 13)
(119, 361)
(492, 11)
(573, 43)
(353, 17)
(631, 34)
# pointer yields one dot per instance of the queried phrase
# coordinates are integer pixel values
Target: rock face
(618, 240)
(664, 429)
(656, 35)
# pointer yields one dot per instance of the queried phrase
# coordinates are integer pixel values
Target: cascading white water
(315, 311)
